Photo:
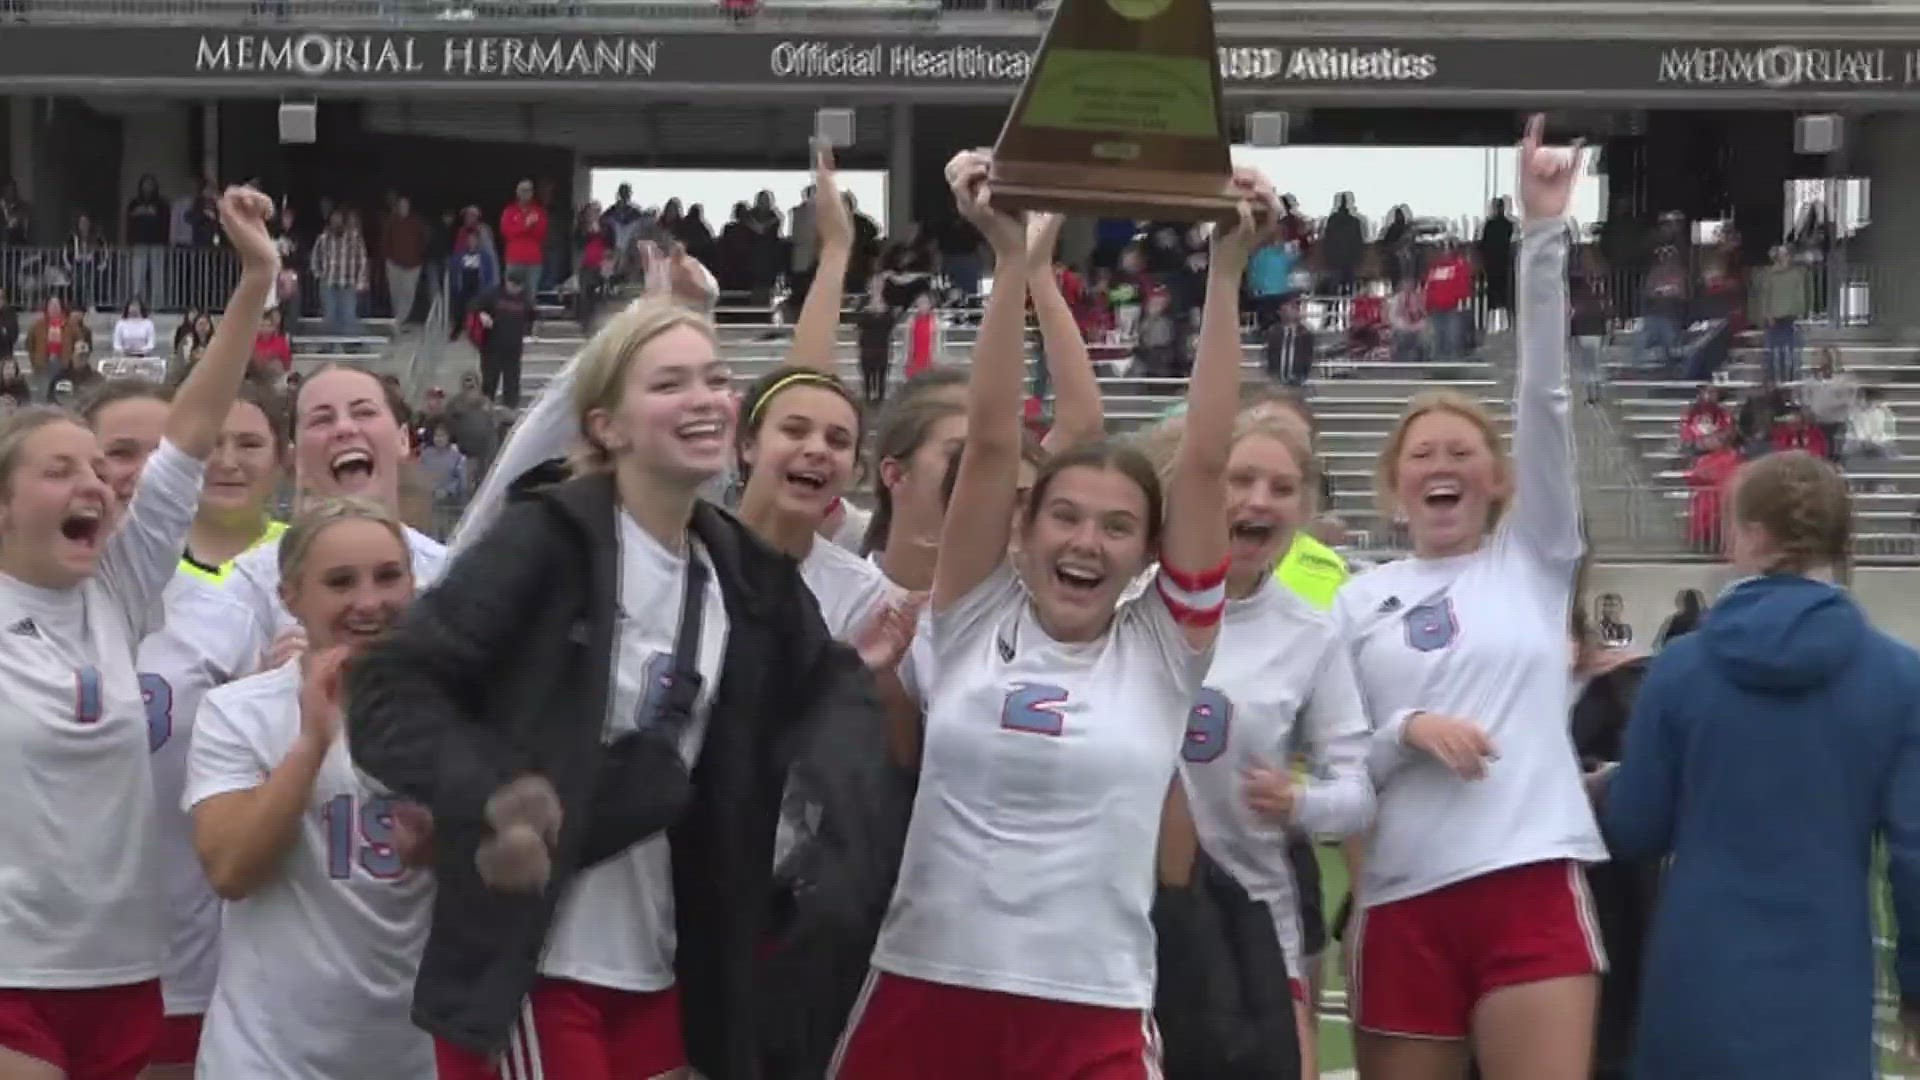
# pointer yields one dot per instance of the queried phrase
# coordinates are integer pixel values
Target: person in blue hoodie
(1767, 753)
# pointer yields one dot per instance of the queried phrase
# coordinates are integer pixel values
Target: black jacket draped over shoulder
(502, 669)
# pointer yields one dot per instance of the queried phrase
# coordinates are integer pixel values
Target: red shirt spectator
(1709, 478)
(272, 350)
(921, 338)
(523, 227)
(1449, 282)
(1796, 432)
(1704, 421)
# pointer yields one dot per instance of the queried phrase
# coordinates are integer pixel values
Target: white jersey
(615, 926)
(1484, 637)
(1030, 859)
(848, 588)
(317, 965)
(1280, 679)
(255, 582)
(79, 868)
(205, 643)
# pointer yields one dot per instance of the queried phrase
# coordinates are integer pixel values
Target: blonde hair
(17, 428)
(1802, 503)
(1160, 443)
(297, 542)
(1386, 473)
(601, 378)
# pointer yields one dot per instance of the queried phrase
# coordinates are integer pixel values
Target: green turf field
(1336, 1042)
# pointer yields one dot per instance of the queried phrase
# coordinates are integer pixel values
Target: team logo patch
(1431, 627)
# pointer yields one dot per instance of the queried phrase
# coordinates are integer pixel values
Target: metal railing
(106, 278)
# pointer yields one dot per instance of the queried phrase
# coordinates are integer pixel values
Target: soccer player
(1473, 919)
(81, 934)
(325, 914)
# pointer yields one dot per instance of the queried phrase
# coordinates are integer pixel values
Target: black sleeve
(1222, 1002)
(416, 700)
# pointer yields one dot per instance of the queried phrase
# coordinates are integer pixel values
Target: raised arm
(1078, 413)
(201, 404)
(973, 543)
(816, 334)
(1546, 500)
(1195, 542)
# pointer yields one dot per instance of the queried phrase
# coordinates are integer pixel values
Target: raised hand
(1043, 238)
(1259, 211)
(1547, 173)
(889, 632)
(244, 214)
(830, 218)
(967, 175)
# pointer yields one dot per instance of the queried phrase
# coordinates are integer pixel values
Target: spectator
(13, 385)
(592, 236)
(959, 244)
(85, 261)
(803, 251)
(1156, 350)
(272, 351)
(147, 236)
(404, 238)
(195, 332)
(1871, 431)
(623, 221)
(9, 326)
(1270, 279)
(133, 334)
(763, 222)
(203, 217)
(1407, 319)
(1447, 292)
(696, 233)
(1709, 478)
(505, 319)
(444, 470)
(1396, 245)
(1797, 431)
(924, 344)
(908, 267)
(1663, 311)
(1128, 295)
(1704, 421)
(340, 269)
(294, 252)
(1831, 397)
(16, 217)
(56, 343)
(1609, 616)
(1759, 410)
(472, 422)
(1688, 609)
(1343, 244)
(1293, 226)
(1781, 296)
(1367, 322)
(1590, 301)
(473, 268)
(523, 230)
(874, 322)
(1288, 346)
(1496, 263)
(433, 410)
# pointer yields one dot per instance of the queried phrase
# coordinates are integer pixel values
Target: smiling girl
(1472, 916)
(205, 642)
(1019, 941)
(325, 914)
(81, 583)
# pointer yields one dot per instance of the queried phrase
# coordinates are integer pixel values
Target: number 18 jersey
(1029, 865)
(317, 965)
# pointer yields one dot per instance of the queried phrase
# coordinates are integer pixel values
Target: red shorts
(931, 1031)
(179, 1042)
(573, 1031)
(100, 1033)
(1419, 966)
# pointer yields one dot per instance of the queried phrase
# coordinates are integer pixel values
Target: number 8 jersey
(317, 965)
(1029, 865)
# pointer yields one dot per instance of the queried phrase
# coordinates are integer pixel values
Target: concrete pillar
(210, 143)
(899, 169)
(1889, 153)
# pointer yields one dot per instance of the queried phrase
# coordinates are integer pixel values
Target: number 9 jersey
(317, 964)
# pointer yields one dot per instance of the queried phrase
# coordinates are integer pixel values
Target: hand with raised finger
(1548, 174)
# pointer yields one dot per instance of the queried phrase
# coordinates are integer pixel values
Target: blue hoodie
(1767, 752)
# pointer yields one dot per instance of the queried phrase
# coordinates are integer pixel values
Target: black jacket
(1222, 1002)
(502, 670)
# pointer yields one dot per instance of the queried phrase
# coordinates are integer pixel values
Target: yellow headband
(798, 378)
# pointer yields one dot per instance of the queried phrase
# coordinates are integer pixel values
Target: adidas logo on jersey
(1390, 605)
(24, 628)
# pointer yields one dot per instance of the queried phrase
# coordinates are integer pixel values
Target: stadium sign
(936, 61)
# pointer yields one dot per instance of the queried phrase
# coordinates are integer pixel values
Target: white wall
(1891, 595)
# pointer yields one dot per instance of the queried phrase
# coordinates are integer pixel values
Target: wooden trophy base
(1118, 200)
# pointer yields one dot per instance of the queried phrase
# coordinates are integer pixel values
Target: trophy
(1121, 115)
